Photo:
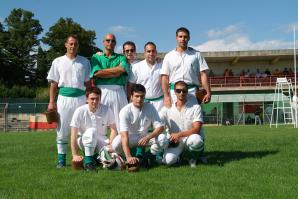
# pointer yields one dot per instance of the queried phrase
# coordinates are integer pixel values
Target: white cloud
(231, 38)
(123, 30)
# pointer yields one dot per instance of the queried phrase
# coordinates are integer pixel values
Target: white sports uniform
(92, 127)
(68, 73)
(178, 121)
(137, 122)
(184, 67)
(149, 77)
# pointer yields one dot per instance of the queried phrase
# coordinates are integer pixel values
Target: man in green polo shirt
(109, 71)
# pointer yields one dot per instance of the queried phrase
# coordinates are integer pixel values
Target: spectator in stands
(231, 73)
(267, 71)
(285, 72)
(226, 73)
(277, 72)
(247, 73)
(258, 74)
(242, 75)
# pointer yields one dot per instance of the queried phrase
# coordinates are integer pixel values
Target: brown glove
(132, 167)
(200, 94)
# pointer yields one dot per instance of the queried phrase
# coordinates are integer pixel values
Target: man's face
(130, 52)
(109, 42)
(93, 101)
(181, 92)
(182, 39)
(137, 99)
(71, 46)
(150, 54)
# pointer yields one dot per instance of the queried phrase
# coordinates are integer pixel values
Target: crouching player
(89, 128)
(184, 120)
(135, 120)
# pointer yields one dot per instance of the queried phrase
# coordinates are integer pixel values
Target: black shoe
(90, 167)
(61, 164)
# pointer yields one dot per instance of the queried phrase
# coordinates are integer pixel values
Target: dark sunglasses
(181, 90)
(130, 50)
(110, 40)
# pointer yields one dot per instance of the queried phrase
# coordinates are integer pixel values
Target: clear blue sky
(214, 25)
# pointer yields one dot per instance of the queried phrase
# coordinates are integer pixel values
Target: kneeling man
(184, 121)
(135, 120)
(89, 128)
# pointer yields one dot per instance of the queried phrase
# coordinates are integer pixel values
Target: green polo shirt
(100, 62)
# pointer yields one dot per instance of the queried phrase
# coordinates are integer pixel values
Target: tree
(20, 43)
(57, 34)
(42, 67)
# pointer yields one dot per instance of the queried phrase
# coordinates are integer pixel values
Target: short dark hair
(182, 29)
(138, 88)
(180, 83)
(149, 43)
(93, 89)
(130, 43)
(71, 36)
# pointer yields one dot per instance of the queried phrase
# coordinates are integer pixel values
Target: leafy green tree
(42, 67)
(20, 43)
(57, 34)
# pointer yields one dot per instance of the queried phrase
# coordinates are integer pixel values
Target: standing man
(147, 73)
(184, 121)
(69, 73)
(110, 71)
(89, 128)
(184, 64)
(135, 120)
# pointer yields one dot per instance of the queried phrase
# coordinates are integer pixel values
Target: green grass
(244, 162)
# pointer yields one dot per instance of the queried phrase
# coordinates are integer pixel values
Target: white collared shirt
(70, 72)
(178, 121)
(184, 67)
(83, 119)
(148, 76)
(137, 121)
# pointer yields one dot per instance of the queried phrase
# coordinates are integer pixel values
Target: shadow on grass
(221, 157)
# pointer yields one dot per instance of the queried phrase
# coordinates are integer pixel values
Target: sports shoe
(192, 163)
(90, 167)
(61, 164)
(203, 159)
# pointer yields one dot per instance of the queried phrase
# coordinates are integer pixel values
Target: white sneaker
(203, 159)
(192, 163)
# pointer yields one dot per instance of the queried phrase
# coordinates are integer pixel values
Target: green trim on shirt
(153, 99)
(71, 92)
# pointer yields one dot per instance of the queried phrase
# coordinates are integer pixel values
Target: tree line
(23, 62)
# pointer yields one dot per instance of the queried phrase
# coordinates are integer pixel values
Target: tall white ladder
(282, 102)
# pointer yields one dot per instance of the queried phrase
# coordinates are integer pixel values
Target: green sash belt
(153, 99)
(71, 92)
(189, 86)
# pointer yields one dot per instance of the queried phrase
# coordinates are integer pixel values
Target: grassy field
(244, 162)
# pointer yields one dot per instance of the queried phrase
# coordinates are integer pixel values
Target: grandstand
(235, 97)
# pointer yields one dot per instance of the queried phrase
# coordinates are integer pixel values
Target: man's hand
(174, 137)
(132, 160)
(143, 141)
(52, 106)
(77, 158)
(206, 98)
(167, 102)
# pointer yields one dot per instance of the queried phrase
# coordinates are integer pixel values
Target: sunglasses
(110, 40)
(181, 90)
(130, 50)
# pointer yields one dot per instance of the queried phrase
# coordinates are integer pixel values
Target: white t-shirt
(136, 121)
(83, 119)
(184, 67)
(181, 121)
(149, 77)
(70, 72)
